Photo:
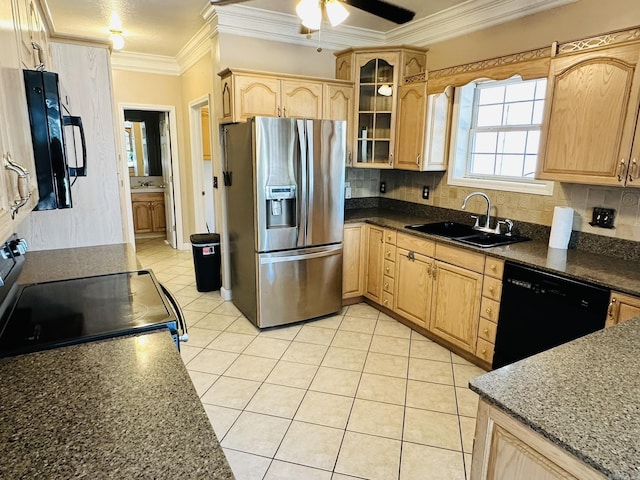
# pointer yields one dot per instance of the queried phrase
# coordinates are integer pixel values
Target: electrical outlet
(383, 187)
(347, 190)
(425, 192)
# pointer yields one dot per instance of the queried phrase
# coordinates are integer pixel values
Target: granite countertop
(50, 265)
(615, 273)
(583, 396)
(119, 408)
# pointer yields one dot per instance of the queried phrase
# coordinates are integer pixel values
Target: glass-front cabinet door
(377, 77)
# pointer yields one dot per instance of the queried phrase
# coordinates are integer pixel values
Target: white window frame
(459, 152)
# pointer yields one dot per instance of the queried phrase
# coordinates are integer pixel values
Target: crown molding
(267, 25)
(467, 17)
(241, 20)
(145, 63)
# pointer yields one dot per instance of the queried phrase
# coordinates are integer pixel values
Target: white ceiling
(164, 27)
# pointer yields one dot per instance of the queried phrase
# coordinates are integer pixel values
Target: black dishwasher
(541, 310)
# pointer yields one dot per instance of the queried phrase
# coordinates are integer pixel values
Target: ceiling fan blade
(383, 9)
(220, 3)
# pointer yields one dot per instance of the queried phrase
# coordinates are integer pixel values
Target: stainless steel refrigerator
(285, 214)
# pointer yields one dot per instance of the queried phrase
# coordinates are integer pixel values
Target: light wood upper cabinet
(622, 307)
(412, 105)
(377, 74)
(33, 42)
(338, 105)
(15, 131)
(590, 120)
(301, 99)
(247, 94)
(353, 261)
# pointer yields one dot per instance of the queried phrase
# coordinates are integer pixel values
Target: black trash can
(206, 261)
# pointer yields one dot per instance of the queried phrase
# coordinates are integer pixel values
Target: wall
(95, 218)
(581, 19)
(195, 83)
(136, 88)
(265, 55)
(577, 20)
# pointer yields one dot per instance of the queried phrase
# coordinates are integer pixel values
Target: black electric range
(48, 315)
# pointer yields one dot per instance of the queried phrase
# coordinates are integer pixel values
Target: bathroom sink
(467, 234)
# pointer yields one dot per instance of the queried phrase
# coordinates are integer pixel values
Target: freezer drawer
(299, 284)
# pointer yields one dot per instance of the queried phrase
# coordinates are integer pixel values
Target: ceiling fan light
(116, 39)
(310, 13)
(336, 12)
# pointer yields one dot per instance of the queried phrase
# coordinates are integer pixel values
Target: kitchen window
(496, 135)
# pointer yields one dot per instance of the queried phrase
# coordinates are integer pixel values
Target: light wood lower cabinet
(353, 261)
(622, 307)
(374, 261)
(505, 449)
(413, 286)
(148, 212)
(454, 313)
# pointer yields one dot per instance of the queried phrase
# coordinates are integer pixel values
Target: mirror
(142, 142)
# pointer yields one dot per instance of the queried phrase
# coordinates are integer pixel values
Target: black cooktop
(53, 314)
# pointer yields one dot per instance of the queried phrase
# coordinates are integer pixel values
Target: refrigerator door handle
(303, 203)
(295, 255)
(310, 177)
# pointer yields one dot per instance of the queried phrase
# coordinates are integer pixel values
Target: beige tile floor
(351, 396)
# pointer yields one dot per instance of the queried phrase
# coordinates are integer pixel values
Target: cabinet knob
(488, 310)
(386, 285)
(492, 290)
(385, 301)
(388, 238)
(388, 253)
(632, 170)
(493, 267)
(484, 351)
(486, 331)
(611, 305)
(387, 269)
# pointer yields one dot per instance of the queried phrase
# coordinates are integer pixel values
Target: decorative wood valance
(530, 64)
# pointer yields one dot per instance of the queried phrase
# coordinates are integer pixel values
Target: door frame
(175, 168)
(195, 132)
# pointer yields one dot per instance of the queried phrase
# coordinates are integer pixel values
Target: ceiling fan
(380, 8)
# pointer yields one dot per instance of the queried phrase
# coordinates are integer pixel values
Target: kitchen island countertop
(66, 263)
(584, 396)
(118, 408)
(615, 273)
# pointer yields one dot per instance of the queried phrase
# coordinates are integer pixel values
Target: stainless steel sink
(467, 234)
(444, 229)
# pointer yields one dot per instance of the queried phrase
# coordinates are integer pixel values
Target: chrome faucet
(487, 222)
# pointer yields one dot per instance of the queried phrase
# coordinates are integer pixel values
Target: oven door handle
(182, 324)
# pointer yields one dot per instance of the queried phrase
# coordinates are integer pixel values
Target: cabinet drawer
(389, 268)
(388, 284)
(494, 267)
(147, 197)
(387, 300)
(490, 309)
(492, 288)
(390, 252)
(460, 257)
(415, 244)
(484, 350)
(390, 236)
(487, 330)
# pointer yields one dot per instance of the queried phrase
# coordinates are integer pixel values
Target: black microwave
(59, 145)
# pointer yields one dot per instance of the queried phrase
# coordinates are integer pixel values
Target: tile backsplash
(407, 186)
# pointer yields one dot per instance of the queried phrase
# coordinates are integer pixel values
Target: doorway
(149, 153)
(203, 171)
